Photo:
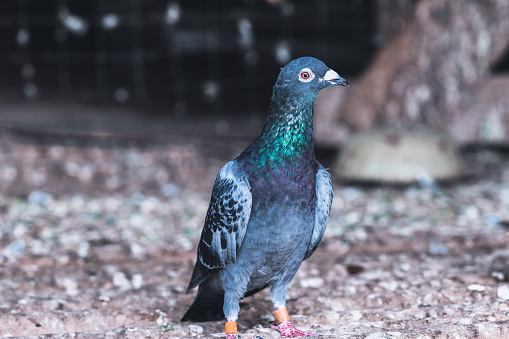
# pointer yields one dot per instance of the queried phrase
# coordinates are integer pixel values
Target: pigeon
(268, 209)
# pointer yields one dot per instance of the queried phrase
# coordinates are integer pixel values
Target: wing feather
(226, 220)
(323, 202)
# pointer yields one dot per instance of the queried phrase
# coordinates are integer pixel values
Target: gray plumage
(269, 207)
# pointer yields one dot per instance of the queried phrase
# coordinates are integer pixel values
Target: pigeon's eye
(306, 75)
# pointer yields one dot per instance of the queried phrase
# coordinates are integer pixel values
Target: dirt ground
(99, 242)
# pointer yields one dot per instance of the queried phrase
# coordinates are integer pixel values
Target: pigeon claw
(287, 330)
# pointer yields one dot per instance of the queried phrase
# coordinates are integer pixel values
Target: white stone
(503, 292)
(195, 329)
(477, 287)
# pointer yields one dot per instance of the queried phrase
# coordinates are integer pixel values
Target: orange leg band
(281, 315)
(230, 327)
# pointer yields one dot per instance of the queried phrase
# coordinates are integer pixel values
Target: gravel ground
(100, 242)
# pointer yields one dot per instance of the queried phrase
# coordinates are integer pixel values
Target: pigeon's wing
(323, 202)
(226, 220)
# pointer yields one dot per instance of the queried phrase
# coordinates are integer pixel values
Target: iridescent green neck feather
(287, 137)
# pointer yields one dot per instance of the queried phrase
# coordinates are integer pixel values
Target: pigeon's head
(307, 75)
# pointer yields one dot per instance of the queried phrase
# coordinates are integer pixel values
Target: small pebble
(503, 292)
(351, 193)
(436, 247)
(356, 315)
(314, 282)
(120, 281)
(162, 320)
(137, 281)
(498, 275)
(169, 190)
(477, 287)
(39, 198)
(16, 248)
(492, 220)
(104, 298)
(195, 329)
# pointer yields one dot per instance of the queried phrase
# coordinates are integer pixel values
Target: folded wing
(226, 220)
(323, 202)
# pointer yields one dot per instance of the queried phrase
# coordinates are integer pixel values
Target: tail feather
(200, 274)
(206, 306)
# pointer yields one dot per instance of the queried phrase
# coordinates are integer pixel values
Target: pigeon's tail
(207, 306)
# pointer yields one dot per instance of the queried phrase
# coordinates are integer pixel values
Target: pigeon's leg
(231, 310)
(282, 322)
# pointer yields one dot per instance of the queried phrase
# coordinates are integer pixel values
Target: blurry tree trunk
(432, 72)
(392, 18)
(486, 119)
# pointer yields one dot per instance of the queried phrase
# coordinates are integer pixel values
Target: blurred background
(198, 76)
(116, 116)
(112, 75)
(82, 67)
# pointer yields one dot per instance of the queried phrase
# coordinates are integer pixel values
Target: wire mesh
(83, 66)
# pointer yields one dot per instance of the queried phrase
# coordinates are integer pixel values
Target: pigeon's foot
(287, 330)
(284, 326)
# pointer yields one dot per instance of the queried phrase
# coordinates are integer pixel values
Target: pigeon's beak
(334, 78)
